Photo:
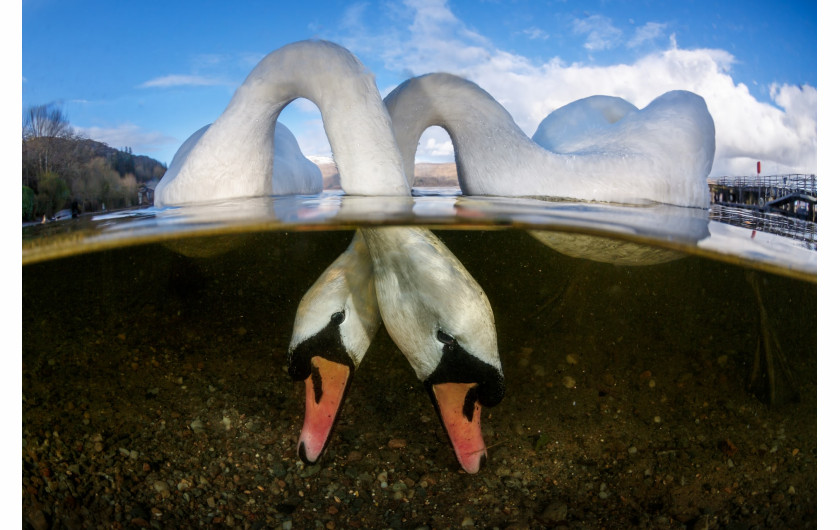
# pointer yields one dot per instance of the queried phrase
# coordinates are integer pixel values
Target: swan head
(334, 326)
(441, 320)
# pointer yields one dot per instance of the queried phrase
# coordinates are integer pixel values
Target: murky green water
(155, 387)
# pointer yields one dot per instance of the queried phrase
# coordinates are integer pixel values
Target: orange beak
(326, 388)
(460, 414)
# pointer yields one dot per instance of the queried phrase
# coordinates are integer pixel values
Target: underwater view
(679, 393)
(440, 284)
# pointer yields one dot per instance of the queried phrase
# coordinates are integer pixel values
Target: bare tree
(46, 121)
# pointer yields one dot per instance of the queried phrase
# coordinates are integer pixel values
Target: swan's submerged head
(441, 320)
(334, 326)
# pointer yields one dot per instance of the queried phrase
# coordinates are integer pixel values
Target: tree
(46, 121)
(43, 126)
(28, 203)
(53, 193)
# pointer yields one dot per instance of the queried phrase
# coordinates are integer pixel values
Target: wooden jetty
(793, 195)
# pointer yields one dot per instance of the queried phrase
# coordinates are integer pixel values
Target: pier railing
(793, 195)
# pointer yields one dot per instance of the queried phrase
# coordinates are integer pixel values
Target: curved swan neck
(355, 120)
(234, 157)
(466, 112)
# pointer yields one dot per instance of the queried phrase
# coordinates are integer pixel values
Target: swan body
(234, 156)
(631, 161)
(570, 127)
(292, 173)
(575, 127)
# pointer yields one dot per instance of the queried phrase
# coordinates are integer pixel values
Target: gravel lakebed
(156, 395)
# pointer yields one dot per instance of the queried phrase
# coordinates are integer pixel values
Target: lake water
(156, 392)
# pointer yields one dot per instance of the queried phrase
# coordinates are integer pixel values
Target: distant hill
(67, 152)
(68, 172)
(426, 174)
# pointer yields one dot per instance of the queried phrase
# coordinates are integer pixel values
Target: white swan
(292, 173)
(597, 148)
(334, 325)
(633, 160)
(578, 127)
(338, 316)
(234, 156)
(570, 128)
(434, 311)
(441, 320)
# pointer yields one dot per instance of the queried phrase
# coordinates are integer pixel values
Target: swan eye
(446, 339)
(337, 318)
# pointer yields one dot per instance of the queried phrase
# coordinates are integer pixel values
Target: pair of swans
(434, 310)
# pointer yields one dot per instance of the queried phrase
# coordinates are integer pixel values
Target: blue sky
(148, 74)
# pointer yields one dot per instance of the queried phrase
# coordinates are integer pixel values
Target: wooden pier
(792, 195)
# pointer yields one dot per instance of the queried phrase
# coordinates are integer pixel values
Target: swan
(335, 323)
(577, 126)
(338, 316)
(435, 312)
(599, 148)
(442, 321)
(234, 156)
(631, 161)
(292, 173)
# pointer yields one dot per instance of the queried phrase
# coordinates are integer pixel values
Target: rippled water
(625, 382)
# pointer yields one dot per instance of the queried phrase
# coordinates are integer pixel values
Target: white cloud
(599, 30)
(180, 80)
(647, 33)
(781, 135)
(436, 145)
(535, 34)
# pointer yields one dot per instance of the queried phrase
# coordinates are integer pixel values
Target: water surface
(155, 389)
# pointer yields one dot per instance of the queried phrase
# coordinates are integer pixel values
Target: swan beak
(326, 387)
(460, 414)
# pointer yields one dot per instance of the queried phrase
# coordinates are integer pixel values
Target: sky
(146, 75)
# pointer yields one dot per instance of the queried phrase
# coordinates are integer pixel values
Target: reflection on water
(687, 230)
(155, 379)
(797, 229)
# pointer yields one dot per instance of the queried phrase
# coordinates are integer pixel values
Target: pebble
(38, 520)
(572, 358)
(569, 382)
(632, 450)
(468, 521)
(397, 443)
(555, 512)
(162, 488)
(197, 426)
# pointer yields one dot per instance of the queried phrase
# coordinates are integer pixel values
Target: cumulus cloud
(180, 80)
(781, 134)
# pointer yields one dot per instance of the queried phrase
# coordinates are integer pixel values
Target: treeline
(62, 170)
